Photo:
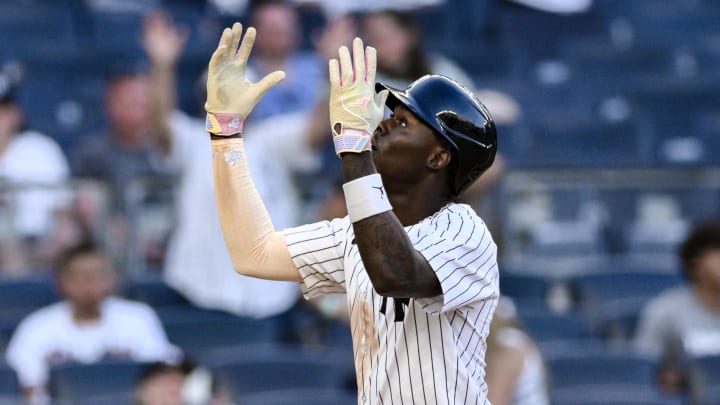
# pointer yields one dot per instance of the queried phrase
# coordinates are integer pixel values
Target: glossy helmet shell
(457, 115)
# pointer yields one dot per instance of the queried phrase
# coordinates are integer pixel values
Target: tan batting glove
(355, 109)
(230, 95)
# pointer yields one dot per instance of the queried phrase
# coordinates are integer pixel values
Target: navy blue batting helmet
(458, 116)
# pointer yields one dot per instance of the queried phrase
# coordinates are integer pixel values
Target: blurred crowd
(125, 198)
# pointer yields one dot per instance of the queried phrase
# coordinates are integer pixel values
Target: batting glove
(230, 95)
(355, 109)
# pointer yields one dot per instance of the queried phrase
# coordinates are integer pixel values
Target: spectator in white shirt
(87, 326)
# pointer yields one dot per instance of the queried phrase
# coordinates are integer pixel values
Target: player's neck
(411, 208)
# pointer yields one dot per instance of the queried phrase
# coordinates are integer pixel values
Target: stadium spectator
(684, 322)
(401, 59)
(33, 171)
(87, 326)
(278, 47)
(179, 384)
(197, 262)
(335, 8)
(515, 369)
(122, 152)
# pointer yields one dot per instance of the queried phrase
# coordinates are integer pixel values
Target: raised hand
(163, 41)
(230, 95)
(355, 109)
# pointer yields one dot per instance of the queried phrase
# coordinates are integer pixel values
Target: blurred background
(608, 116)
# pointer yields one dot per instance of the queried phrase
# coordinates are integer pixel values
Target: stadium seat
(21, 28)
(616, 320)
(120, 398)
(610, 367)
(118, 32)
(525, 286)
(616, 394)
(153, 291)
(259, 368)
(11, 400)
(301, 397)
(198, 333)
(8, 380)
(70, 108)
(547, 326)
(709, 374)
(75, 382)
(27, 292)
(598, 288)
(573, 143)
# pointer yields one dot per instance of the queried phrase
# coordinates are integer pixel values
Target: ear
(439, 159)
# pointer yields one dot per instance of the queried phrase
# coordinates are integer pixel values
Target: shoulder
(457, 214)
(669, 301)
(45, 317)
(35, 141)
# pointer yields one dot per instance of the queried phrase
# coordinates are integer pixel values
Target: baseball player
(419, 270)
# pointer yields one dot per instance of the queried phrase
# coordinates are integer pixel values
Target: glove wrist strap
(224, 124)
(352, 140)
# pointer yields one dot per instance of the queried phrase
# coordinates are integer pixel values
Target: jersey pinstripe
(436, 353)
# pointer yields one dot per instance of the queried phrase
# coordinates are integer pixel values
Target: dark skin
(413, 165)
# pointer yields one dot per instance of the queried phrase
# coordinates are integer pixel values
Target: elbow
(242, 268)
(384, 289)
(407, 286)
(391, 287)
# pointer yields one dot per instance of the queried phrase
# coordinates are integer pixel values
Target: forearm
(256, 249)
(162, 103)
(393, 264)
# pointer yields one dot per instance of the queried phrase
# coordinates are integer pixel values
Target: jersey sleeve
(461, 251)
(318, 251)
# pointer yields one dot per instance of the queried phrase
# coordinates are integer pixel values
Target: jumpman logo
(381, 189)
(362, 103)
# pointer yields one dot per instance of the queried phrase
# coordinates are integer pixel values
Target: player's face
(403, 145)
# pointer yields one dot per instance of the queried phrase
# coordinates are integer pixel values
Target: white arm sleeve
(256, 249)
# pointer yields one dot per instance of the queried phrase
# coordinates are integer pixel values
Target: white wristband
(366, 197)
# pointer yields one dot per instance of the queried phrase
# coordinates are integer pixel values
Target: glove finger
(359, 59)
(236, 35)
(217, 60)
(334, 73)
(270, 80)
(346, 71)
(381, 98)
(224, 41)
(246, 46)
(371, 63)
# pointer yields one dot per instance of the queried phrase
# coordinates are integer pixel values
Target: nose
(384, 127)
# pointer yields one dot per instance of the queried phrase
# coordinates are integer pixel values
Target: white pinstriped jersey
(436, 354)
